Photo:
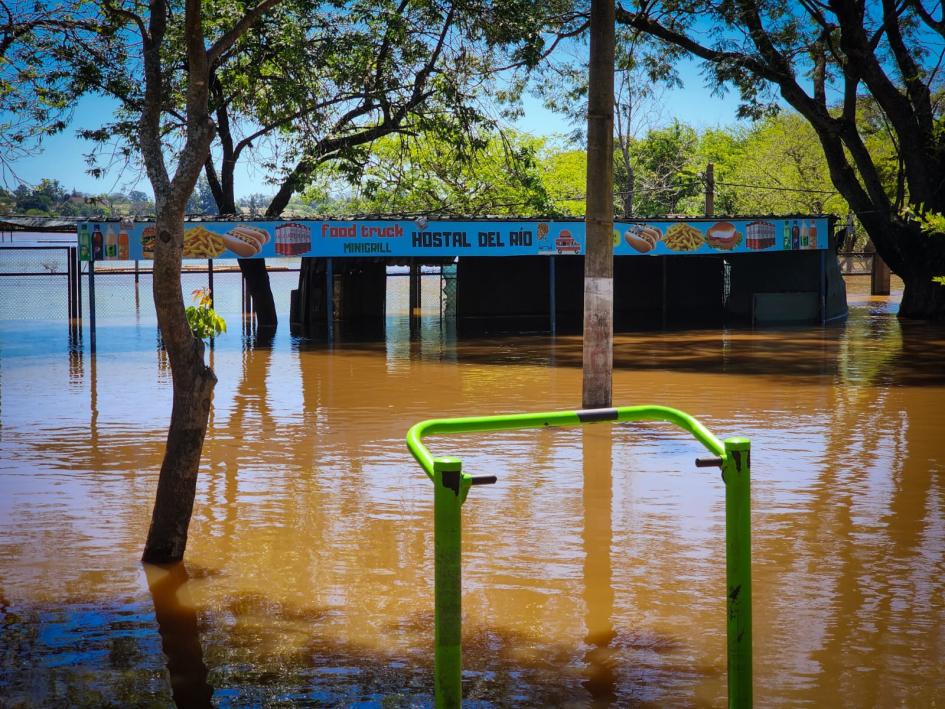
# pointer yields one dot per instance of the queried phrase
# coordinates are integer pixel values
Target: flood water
(594, 569)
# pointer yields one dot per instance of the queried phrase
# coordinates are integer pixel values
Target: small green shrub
(202, 318)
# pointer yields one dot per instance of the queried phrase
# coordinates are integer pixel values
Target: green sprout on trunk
(202, 318)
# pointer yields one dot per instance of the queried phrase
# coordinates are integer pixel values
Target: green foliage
(564, 173)
(312, 83)
(666, 175)
(498, 174)
(930, 222)
(203, 319)
(201, 202)
(777, 167)
(37, 92)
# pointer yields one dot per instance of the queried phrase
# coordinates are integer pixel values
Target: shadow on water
(887, 350)
(265, 652)
(261, 652)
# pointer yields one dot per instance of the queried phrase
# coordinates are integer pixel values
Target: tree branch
(237, 31)
(150, 123)
(128, 15)
(926, 16)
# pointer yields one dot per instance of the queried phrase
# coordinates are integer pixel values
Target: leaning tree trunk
(923, 298)
(193, 383)
(260, 290)
(916, 258)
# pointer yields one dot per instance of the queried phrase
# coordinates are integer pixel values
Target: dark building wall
(309, 301)
(360, 289)
(693, 290)
(649, 291)
(510, 286)
(569, 293)
(777, 272)
(784, 272)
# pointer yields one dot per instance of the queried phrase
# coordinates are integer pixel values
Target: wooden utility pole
(599, 221)
(709, 189)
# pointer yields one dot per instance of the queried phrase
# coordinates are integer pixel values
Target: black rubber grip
(591, 415)
(484, 480)
(715, 462)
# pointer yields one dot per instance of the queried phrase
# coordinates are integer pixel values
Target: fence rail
(856, 263)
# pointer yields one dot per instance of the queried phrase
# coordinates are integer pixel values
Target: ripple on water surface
(593, 571)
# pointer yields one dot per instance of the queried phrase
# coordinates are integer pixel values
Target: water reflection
(597, 456)
(176, 618)
(594, 570)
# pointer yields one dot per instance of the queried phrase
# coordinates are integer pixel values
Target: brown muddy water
(593, 569)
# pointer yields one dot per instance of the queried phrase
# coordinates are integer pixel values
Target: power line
(643, 189)
(776, 188)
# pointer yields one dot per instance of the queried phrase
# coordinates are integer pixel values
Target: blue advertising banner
(122, 241)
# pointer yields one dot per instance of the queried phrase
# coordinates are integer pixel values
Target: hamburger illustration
(723, 236)
(245, 240)
(147, 241)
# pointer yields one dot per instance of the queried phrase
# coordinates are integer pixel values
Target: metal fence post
(736, 474)
(210, 280)
(71, 259)
(92, 302)
(552, 305)
(448, 494)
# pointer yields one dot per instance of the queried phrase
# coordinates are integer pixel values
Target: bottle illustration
(795, 236)
(123, 245)
(98, 244)
(111, 243)
(804, 240)
(812, 233)
(786, 244)
(84, 242)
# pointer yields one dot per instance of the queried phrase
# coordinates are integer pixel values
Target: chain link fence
(40, 283)
(35, 282)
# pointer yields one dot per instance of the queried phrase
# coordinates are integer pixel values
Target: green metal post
(735, 472)
(449, 491)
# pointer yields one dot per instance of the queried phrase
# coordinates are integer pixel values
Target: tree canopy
(830, 61)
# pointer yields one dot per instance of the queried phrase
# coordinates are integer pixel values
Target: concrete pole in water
(599, 258)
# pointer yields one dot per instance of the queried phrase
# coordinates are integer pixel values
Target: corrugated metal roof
(37, 224)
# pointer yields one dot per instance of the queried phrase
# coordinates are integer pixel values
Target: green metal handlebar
(451, 484)
(508, 422)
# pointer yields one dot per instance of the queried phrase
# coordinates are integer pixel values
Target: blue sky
(62, 157)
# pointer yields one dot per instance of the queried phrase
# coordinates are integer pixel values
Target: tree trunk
(253, 270)
(193, 383)
(628, 192)
(916, 258)
(598, 355)
(922, 299)
(257, 281)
